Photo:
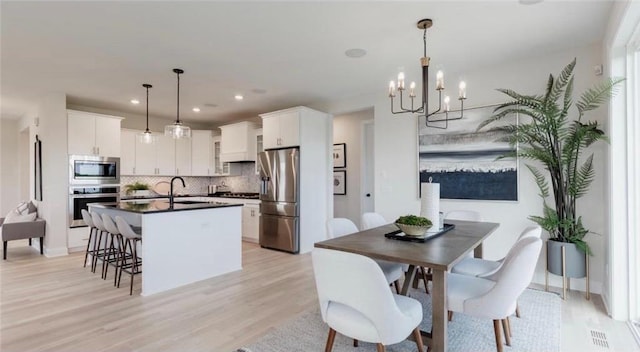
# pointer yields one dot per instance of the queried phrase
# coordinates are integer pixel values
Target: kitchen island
(184, 243)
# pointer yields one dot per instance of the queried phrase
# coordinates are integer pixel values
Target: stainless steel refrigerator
(279, 195)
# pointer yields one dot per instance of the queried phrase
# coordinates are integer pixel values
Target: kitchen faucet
(171, 189)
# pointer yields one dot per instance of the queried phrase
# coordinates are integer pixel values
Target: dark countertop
(160, 206)
(161, 196)
(217, 195)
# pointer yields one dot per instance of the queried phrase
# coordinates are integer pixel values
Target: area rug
(538, 330)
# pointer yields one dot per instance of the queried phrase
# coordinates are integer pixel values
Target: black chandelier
(423, 109)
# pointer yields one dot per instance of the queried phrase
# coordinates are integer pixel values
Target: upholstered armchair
(22, 230)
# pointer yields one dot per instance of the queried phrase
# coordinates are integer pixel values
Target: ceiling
(277, 54)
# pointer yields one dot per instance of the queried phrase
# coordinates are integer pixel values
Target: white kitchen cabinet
(250, 215)
(128, 158)
(93, 134)
(77, 238)
(183, 156)
(259, 148)
(202, 153)
(238, 142)
(281, 129)
(250, 222)
(222, 168)
(165, 156)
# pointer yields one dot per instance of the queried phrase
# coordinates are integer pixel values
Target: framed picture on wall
(467, 163)
(340, 182)
(339, 155)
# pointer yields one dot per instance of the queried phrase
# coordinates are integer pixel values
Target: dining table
(439, 253)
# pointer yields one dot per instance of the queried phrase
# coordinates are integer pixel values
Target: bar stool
(86, 217)
(116, 251)
(98, 252)
(133, 241)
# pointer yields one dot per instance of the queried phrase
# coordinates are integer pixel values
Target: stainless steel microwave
(92, 170)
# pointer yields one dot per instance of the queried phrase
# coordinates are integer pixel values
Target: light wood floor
(54, 304)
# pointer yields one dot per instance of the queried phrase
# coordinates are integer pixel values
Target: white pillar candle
(430, 203)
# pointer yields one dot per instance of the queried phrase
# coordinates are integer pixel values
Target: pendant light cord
(178, 104)
(147, 86)
(147, 108)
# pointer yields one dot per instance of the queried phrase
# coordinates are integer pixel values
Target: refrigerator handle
(264, 184)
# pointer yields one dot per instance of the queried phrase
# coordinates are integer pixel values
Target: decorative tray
(399, 235)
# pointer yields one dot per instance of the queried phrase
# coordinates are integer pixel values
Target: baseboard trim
(55, 252)
(635, 330)
(576, 284)
(605, 302)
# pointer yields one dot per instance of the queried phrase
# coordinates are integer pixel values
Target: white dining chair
(371, 220)
(496, 297)
(379, 317)
(485, 268)
(339, 227)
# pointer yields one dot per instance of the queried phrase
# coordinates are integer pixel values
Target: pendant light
(177, 129)
(146, 137)
(431, 119)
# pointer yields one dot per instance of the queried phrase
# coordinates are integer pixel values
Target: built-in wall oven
(81, 195)
(93, 170)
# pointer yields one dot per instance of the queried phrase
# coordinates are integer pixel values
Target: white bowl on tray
(413, 230)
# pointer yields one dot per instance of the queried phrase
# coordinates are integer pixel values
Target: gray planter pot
(575, 260)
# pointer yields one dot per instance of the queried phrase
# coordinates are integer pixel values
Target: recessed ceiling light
(238, 97)
(259, 91)
(530, 2)
(135, 101)
(196, 109)
(355, 53)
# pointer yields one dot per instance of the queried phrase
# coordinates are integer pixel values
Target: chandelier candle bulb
(392, 89)
(463, 90)
(446, 103)
(439, 80)
(412, 89)
(401, 81)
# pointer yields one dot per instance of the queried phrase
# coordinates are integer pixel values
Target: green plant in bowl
(413, 225)
(136, 186)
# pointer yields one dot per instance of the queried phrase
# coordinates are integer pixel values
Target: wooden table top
(440, 253)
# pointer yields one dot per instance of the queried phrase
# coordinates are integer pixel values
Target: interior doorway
(367, 196)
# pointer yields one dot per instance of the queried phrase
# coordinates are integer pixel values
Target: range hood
(238, 142)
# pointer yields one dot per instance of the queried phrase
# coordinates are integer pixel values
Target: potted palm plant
(557, 142)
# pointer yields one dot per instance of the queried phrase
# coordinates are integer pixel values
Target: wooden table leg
(408, 279)
(477, 252)
(439, 305)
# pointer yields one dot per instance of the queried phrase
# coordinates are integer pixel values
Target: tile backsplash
(247, 181)
(195, 185)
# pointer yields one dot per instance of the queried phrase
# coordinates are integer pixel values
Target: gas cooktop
(243, 195)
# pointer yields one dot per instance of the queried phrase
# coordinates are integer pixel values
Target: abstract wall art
(465, 161)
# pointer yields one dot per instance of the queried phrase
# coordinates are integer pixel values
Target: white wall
(9, 165)
(347, 128)
(52, 112)
(396, 177)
